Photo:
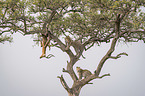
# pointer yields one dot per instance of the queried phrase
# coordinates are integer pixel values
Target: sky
(23, 73)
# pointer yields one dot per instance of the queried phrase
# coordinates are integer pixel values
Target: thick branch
(64, 84)
(73, 59)
(49, 19)
(108, 54)
(70, 68)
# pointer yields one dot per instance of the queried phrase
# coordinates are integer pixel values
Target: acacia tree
(92, 22)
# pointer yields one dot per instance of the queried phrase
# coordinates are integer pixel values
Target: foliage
(86, 18)
(5, 38)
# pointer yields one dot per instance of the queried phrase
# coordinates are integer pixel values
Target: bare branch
(70, 68)
(118, 56)
(90, 46)
(103, 76)
(64, 84)
(49, 56)
(33, 32)
(89, 83)
(65, 70)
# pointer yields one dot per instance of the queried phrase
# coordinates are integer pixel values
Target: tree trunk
(74, 92)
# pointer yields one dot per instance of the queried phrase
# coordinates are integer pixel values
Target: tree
(5, 38)
(87, 22)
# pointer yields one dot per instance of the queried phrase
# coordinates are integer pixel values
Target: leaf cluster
(4, 38)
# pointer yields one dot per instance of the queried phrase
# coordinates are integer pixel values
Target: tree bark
(74, 92)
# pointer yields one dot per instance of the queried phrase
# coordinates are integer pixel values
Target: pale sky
(22, 73)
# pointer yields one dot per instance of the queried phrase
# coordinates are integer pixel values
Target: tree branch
(70, 68)
(62, 45)
(73, 59)
(64, 84)
(118, 56)
(49, 19)
(90, 46)
(49, 56)
(33, 32)
(103, 76)
(133, 31)
(108, 54)
(101, 63)
(97, 39)
(63, 70)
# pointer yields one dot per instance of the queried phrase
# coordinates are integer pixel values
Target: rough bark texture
(75, 92)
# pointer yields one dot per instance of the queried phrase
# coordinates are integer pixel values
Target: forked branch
(64, 70)
(49, 56)
(107, 56)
